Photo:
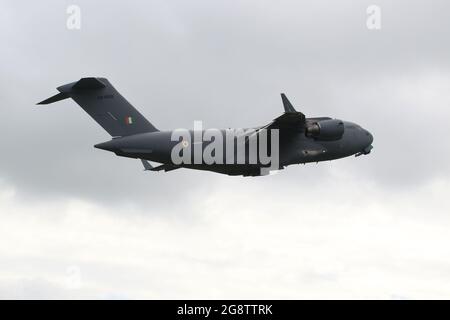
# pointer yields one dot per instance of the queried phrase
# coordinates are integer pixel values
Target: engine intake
(332, 129)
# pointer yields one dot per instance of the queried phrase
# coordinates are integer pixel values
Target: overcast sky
(78, 222)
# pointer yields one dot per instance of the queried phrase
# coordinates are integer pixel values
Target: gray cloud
(225, 63)
(180, 62)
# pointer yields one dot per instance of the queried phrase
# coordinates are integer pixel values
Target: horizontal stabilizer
(56, 97)
(88, 83)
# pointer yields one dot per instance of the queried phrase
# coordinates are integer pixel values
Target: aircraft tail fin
(105, 105)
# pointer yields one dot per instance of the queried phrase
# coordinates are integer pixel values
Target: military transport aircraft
(298, 140)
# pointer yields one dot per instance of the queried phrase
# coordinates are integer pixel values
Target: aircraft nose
(369, 137)
(366, 140)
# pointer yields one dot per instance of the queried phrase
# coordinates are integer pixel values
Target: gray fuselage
(294, 148)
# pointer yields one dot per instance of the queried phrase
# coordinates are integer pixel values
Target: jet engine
(328, 130)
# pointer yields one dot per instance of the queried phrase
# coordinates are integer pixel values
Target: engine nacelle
(332, 129)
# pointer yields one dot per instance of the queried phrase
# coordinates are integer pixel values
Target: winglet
(287, 104)
(147, 165)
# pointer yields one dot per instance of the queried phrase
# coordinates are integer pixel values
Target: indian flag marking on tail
(129, 120)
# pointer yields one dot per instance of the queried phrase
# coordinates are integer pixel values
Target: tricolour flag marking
(129, 120)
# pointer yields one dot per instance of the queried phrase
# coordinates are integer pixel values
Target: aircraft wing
(287, 120)
(291, 118)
